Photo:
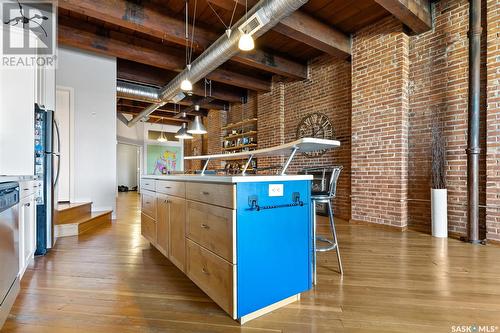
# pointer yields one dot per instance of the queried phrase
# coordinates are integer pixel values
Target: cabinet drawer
(214, 275)
(215, 194)
(148, 228)
(177, 189)
(148, 184)
(148, 203)
(212, 227)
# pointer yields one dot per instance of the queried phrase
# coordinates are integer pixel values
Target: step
(83, 224)
(70, 212)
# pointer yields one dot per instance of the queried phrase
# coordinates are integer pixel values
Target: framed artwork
(162, 159)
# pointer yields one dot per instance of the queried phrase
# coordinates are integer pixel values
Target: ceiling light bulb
(246, 42)
(186, 85)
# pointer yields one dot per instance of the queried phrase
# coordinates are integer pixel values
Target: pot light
(183, 134)
(186, 85)
(196, 126)
(246, 42)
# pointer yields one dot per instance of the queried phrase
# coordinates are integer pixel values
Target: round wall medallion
(315, 125)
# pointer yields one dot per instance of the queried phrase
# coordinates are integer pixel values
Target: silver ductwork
(269, 12)
(137, 92)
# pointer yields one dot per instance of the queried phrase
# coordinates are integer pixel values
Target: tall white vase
(439, 208)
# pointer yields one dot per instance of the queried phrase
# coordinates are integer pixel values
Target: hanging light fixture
(246, 42)
(183, 134)
(196, 126)
(162, 137)
(186, 84)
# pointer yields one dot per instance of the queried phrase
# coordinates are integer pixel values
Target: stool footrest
(327, 248)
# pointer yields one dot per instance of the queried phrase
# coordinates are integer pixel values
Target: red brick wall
(328, 90)
(215, 120)
(493, 121)
(439, 93)
(380, 71)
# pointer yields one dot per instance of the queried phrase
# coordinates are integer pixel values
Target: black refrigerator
(47, 164)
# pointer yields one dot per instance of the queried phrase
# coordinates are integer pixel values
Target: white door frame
(71, 92)
(139, 162)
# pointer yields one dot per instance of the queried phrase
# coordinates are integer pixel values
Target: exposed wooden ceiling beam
(141, 73)
(149, 21)
(205, 105)
(306, 29)
(125, 48)
(415, 14)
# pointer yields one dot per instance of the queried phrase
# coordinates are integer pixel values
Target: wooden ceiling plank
(416, 14)
(308, 30)
(74, 37)
(145, 20)
(141, 73)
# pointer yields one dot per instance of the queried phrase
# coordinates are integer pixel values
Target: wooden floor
(111, 280)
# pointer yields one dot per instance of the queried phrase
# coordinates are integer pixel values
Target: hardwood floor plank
(111, 280)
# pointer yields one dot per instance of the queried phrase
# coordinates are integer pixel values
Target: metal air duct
(268, 13)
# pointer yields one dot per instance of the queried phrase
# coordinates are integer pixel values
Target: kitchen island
(246, 241)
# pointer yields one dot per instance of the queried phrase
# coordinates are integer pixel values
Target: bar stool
(325, 194)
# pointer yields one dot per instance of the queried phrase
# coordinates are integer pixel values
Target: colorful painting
(163, 159)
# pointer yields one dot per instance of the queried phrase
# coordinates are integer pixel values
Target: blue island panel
(274, 244)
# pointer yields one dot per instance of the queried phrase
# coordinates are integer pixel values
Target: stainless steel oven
(9, 247)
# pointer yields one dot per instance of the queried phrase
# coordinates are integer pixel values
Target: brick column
(493, 122)
(380, 72)
(271, 121)
(215, 120)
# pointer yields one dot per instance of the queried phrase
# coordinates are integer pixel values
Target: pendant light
(246, 42)
(186, 84)
(196, 126)
(183, 134)
(162, 137)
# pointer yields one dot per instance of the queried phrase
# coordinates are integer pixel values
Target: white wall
(17, 100)
(127, 157)
(93, 78)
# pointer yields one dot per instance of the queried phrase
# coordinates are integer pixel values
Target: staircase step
(69, 213)
(83, 224)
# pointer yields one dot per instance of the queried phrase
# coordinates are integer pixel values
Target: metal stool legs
(334, 245)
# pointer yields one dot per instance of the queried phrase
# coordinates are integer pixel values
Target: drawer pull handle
(205, 271)
(148, 203)
(205, 226)
(167, 187)
(205, 192)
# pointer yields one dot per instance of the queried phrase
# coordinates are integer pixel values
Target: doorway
(128, 165)
(64, 118)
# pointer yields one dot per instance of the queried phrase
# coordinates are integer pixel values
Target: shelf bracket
(244, 171)
(289, 160)
(205, 167)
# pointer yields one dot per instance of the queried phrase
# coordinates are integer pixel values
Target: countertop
(4, 178)
(230, 179)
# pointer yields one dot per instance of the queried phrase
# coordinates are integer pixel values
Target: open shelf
(240, 123)
(252, 145)
(236, 136)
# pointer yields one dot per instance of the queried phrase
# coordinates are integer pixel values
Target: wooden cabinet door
(177, 253)
(162, 223)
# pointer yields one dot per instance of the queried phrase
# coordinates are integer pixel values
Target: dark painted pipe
(473, 148)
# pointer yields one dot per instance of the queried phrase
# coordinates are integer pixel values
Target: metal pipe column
(473, 148)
